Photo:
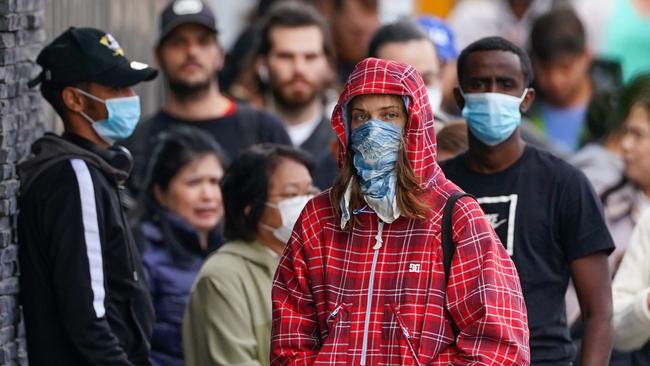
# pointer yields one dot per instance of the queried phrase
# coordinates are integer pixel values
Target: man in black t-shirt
(543, 210)
(189, 56)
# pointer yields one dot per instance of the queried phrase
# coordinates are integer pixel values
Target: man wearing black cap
(189, 56)
(82, 292)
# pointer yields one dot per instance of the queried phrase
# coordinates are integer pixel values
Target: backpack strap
(448, 246)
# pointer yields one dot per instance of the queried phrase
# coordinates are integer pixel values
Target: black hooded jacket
(83, 295)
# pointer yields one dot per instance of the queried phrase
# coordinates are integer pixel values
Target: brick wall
(21, 122)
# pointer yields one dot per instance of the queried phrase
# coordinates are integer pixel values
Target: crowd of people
(333, 190)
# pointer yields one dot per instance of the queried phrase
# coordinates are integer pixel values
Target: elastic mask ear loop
(82, 113)
(90, 96)
(523, 96)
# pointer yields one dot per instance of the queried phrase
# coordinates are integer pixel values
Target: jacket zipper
(129, 250)
(371, 285)
(406, 333)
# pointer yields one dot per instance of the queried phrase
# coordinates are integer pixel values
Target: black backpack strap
(448, 247)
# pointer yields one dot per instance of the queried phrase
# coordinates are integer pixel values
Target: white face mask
(290, 210)
(435, 97)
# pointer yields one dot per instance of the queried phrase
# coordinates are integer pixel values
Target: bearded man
(189, 55)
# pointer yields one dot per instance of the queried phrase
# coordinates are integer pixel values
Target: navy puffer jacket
(172, 257)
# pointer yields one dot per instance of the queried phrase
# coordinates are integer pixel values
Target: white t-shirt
(299, 133)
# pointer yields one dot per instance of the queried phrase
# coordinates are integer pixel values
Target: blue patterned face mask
(376, 145)
(492, 117)
(123, 116)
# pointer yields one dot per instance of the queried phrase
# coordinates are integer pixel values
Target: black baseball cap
(88, 54)
(179, 12)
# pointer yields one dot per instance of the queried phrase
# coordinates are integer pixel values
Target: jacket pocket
(337, 340)
(400, 337)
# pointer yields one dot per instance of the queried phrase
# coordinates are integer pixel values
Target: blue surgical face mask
(123, 116)
(492, 117)
(375, 145)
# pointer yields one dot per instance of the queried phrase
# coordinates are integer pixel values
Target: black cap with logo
(88, 54)
(179, 12)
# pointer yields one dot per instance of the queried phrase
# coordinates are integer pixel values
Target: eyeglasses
(286, 195)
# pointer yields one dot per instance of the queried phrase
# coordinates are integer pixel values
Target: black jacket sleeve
(73, 220)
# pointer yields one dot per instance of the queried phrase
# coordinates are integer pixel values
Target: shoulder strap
(448, 247)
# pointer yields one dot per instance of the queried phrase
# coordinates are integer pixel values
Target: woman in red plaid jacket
(362, 281)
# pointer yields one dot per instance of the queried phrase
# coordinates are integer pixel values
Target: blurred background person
(238, 77)
(295, 61)
(625, 202)
(626, 35)
(178, 228)
(631, 296)
(189, 55)
(511, 19)
(561, 62)
(443, 38)
(601, 157)
(406, 42)
(353, 23)
(228, 317)
(452, 140)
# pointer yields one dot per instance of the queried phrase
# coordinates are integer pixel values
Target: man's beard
(185, 91)
(288, 101)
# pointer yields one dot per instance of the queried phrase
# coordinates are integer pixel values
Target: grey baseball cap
(179, 12)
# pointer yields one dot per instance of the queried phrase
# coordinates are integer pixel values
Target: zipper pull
(135, 276)
(378, 240)
(406, 333)
(335, 312)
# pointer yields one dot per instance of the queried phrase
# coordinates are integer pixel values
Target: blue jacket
(172, 258)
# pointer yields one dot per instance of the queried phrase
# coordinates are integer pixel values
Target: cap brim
(186, 19)
(125, 75)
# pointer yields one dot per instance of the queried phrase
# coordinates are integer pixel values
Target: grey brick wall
(21, 122)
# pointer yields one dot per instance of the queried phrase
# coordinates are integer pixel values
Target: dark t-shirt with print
(546, 214)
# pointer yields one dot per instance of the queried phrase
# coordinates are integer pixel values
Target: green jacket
(228, 317)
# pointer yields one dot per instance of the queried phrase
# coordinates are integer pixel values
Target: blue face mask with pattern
(492, 117)
(123, 117)
(376, 145)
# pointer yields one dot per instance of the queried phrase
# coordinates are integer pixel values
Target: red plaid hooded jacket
(374, 295)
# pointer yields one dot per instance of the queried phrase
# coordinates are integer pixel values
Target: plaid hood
(377, 76)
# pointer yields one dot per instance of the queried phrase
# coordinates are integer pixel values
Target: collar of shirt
(300, 132)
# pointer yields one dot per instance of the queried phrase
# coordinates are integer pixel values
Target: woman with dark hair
(624, 202)
(228, 316)
(178, 228)
(362, 281)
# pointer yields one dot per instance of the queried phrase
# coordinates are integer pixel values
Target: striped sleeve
(74, 219)
(91, 234)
